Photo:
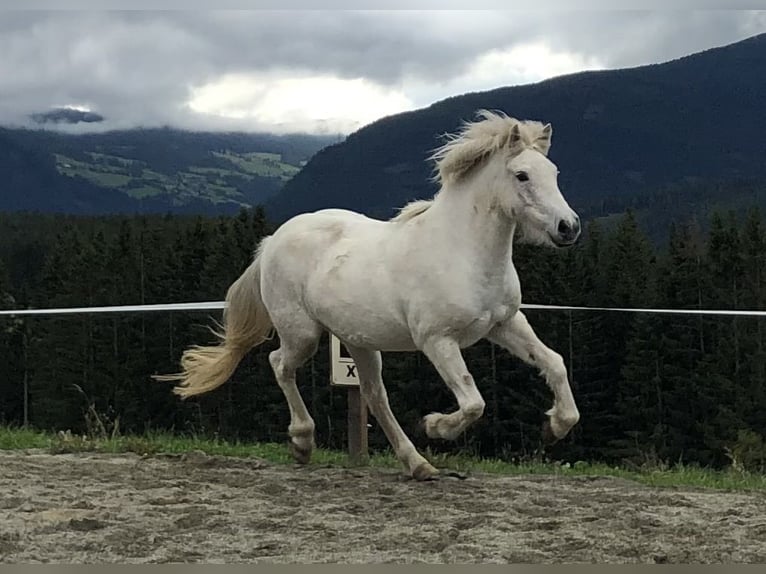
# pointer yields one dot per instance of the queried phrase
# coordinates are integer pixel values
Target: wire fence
(219, 305)
(111, 351)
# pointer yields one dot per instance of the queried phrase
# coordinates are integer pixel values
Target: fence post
(343, 373)
(357, 426)
(26, 373)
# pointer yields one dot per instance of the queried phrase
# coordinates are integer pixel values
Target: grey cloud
(630, 38)
(138, 66)
(378, 45)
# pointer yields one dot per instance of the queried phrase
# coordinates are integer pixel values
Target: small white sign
(344, 371)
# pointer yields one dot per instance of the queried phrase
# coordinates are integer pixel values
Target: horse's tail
(246, 324)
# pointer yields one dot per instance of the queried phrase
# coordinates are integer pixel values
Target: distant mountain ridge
(616, 135)
(671, 141)
(67, 116)
(146, 170)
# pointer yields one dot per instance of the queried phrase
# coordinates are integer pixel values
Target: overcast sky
(325, 71)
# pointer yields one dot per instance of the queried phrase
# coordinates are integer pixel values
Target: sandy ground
(195, 508)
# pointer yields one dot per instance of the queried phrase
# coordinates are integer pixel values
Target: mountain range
(144, 170)
(675, 139)
(670, 141)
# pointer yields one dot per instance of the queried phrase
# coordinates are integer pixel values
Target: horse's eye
(522, 176)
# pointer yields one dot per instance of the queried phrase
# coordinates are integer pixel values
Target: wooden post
(343, 373)
(357, 426)
(26, 374)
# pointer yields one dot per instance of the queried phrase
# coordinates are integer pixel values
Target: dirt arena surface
(90, 508)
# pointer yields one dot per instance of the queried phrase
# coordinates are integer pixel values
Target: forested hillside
(146, 170)
(661, 388)
(689, 131)
(672, 141)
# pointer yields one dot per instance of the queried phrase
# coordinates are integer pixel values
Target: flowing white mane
(412, 209)
(472, 144)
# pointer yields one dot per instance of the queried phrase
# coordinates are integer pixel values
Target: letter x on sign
(343, 371)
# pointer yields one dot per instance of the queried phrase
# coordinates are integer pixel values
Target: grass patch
(144, 191)
(155, 443)
(105, 179)
(110, 159)
(19, 438)
(214, 184)
(226, 191)
(151, 174)
(260, 163)
(220, 173)
(99, 173)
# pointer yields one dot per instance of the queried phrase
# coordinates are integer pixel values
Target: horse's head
(532, 194)
(507, 160)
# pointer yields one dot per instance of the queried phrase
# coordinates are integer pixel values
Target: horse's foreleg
(517, 336)
(446, 357)
(369, 366)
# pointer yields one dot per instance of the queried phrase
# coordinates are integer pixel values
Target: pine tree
(628, 281)
(12, 392)
(753, 240)
(57, 348)
(732, 372)
(591, 380)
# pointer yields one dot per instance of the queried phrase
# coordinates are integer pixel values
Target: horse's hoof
(549, 438)
(301, 455)
(425, 471)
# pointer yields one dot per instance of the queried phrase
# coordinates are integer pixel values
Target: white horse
(437, 278)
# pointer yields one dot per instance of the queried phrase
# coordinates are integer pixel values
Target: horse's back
(304, 242)
(318, 230)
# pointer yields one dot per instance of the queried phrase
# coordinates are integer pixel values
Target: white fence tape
(198, 306)
(216, 305)
(730, 312)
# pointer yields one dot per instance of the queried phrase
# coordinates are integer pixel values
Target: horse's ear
(514, 136)
(543, 142)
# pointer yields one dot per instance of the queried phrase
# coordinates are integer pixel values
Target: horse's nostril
(564, 228)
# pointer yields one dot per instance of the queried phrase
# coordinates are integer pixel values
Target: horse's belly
(360, 311)
(363, 327)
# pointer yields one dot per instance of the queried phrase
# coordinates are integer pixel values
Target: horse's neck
(471, 226)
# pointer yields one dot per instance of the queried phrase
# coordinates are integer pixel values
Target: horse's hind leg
(369, 366)
(294, 350)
